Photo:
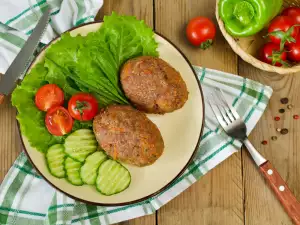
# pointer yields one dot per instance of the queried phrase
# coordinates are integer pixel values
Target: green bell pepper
(247, 17)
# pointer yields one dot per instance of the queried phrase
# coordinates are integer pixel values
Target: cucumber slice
(55, 157)
(89, 170)
(80, 144)
(112, 178)
(72, 168)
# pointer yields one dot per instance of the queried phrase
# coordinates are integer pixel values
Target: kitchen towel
(26, 199)
(18, 18)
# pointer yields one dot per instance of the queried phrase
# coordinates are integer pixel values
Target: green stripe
(91, 209)
(27, 171)
(53, 207)
(52, 215)
(29, 20)
(81, 8)
(81, 21)
(22, 211)
(13, 39)
(252, 109)
(55, 12)
(52, 14)
(241, 93)
(12, 192)
(23, 220)
(13, 189)
(206, 135)
(196, 172)
(3, 218)
(202, 75)
(23, 12)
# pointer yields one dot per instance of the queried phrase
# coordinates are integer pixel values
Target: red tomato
(83, 106)
(293, 52)
(201, 31)
(292, 12)
(48, 96)
(270, 53)
(58, 121)
(282, 31)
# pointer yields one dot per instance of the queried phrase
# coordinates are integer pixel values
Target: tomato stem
(80, 106)
(206, 44)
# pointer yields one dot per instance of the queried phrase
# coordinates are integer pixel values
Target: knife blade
(20, 63)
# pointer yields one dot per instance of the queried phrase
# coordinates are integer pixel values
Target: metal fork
(235, 127)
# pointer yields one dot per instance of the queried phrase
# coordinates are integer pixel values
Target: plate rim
(164, 188)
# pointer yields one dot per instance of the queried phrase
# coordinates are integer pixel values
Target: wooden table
(234, 193)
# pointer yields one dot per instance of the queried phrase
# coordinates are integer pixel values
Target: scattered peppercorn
(276, 118)
(274, 138)
(296, 117)
(284, 100)
(278, 129)
(290, 106)
(284, 131)
(264, 142)
(281, 110)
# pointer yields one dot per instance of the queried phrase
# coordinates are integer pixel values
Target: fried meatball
(152, 85)
(127, 135)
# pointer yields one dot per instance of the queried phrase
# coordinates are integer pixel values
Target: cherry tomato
(201, 31)
(58, 121)
(293, 52)
(48, 96)
(83, 106)
(282, 31)
(293, 13)
(270, 53)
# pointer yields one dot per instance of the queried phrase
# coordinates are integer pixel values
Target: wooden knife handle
(1, 98)
(283, 193)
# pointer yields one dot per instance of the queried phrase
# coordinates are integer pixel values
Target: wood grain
(10, 146)
(261, 205)
(218, 197)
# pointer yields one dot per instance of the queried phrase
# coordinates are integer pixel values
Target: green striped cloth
(19, 17)
(26, 199)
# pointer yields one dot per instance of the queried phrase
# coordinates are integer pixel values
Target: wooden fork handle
(1, 98)
(283, 193)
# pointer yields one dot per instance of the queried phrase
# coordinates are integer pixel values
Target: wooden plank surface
(10, 146)
(234, 193)
(218, 197)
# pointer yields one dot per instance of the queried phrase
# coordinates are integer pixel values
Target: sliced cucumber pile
(72, 168)
(112, 178)
(80, 163)
(55, 157)
(89, 170)
(80, 144)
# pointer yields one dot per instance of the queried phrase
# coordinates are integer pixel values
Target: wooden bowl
(248, 47)
(181, 131)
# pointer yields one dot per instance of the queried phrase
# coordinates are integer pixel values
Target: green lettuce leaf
(82, 64)
(127, 37)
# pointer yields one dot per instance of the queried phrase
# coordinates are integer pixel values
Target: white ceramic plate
(181, 131)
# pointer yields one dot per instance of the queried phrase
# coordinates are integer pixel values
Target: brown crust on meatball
(152, 85)
(127, 135)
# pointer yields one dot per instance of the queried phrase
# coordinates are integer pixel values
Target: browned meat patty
(126, 134)
(152, 85)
